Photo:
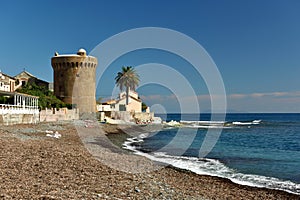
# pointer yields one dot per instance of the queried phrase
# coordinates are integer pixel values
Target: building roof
(7, 75)
(5, 93)
(109, 102)
(29, 75)
(123, 97)
(25, 73)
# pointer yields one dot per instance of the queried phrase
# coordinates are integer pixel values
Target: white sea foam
(212, 167)
(254, 122)
(211, 124)
(201, 122)
(196, 124)
(206, 127)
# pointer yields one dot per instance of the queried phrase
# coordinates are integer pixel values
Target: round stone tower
(74, 80)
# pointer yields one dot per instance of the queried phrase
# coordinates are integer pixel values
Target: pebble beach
(36, 166)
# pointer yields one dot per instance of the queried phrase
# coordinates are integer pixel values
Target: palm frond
(127, 78)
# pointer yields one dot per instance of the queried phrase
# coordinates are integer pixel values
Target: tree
(144, 106)
(99, 100)
(127, 79)
(46, 98)
(6, 100)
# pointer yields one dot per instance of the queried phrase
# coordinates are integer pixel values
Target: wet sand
(34, 166)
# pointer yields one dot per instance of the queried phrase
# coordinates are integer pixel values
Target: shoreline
(35, 166)
(123, 139)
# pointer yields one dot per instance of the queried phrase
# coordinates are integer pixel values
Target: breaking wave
(213, 167)
(254, 122)
(210, 124)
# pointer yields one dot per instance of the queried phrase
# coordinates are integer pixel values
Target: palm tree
(127, 79)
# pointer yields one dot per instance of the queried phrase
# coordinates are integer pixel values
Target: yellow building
(134, 103)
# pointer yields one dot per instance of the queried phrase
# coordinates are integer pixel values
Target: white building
(7, 83)
(106, 106)
(134, 103)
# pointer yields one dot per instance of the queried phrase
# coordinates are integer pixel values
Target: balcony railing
(18, 109)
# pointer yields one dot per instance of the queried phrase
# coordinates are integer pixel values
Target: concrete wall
(50, 115)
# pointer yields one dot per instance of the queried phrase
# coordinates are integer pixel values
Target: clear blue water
(263, 154)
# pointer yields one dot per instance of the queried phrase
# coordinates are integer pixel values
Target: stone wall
(12, 114)
(11, 119)
(143, 116)
(136, 117)
(63, 114)
(18, 115)
(122, 115)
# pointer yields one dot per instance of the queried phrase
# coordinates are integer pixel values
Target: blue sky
(255, 44)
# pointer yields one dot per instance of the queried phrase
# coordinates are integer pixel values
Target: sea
(261, 150)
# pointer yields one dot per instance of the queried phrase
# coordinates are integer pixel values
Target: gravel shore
(35, 166)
